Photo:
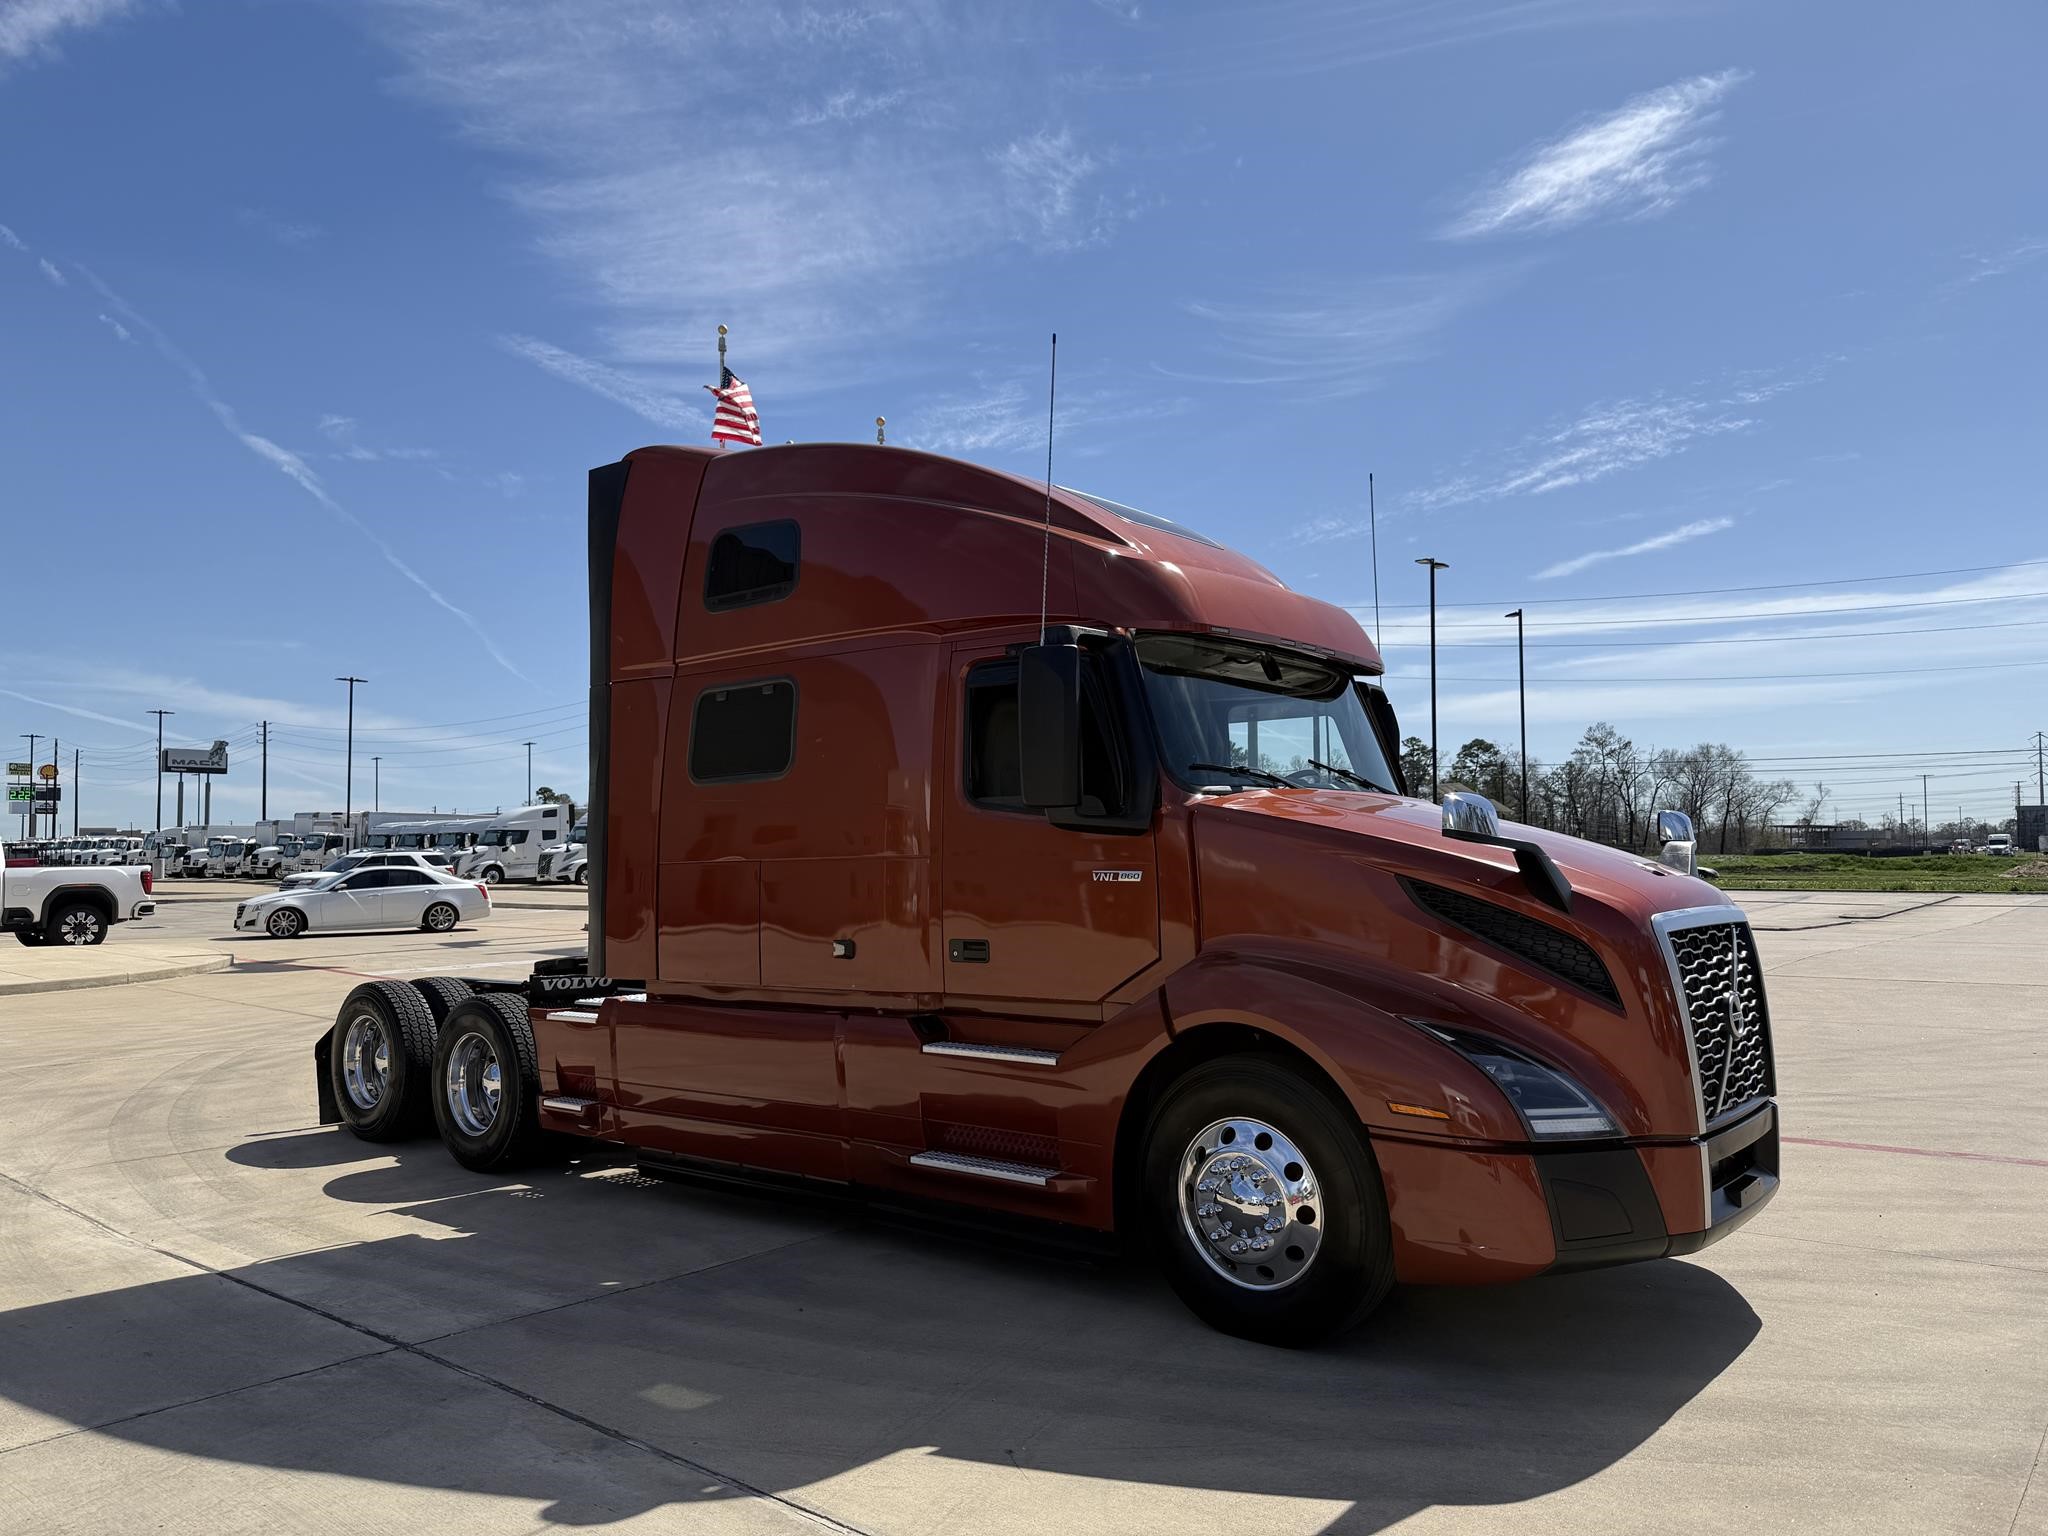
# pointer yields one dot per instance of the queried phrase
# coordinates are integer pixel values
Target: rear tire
(487, 1083)
(1302, 1162)
(76, 923)
(441, 917)
(441, 994)
(379, 1060)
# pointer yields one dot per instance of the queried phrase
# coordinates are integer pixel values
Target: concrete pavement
(216, 1316)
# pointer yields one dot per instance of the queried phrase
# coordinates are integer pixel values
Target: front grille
(1723, 987)
(547, 862)
(239, 909)
(1536, 944)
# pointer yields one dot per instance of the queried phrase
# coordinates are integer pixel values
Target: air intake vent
(1536, 944)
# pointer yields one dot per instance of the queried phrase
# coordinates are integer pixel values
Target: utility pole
(160, 713)
(263, 810)
(2040, 792)
(376, 782)
(529, 772)
(1926, 827)
(74, 791)
(1522, 692)
(54, 805)
(1434, 566)
(348, 804)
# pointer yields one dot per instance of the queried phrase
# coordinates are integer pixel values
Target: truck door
(1038, 913)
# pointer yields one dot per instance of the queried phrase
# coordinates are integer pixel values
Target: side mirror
(1049, 725)
(1680, 850)
(1469, 815)
(1472, 819)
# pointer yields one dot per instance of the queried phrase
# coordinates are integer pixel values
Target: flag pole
(722, 371)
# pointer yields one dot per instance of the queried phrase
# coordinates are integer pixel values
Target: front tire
(1265, 1204)
(285, 923)
(486, 1083)
(379, 1061)
(29, 936)
(76, 923)
(492, 875)
(582, 874)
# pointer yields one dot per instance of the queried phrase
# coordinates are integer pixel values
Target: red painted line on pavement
(1967, 1157)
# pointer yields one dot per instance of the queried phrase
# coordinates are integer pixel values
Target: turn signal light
(1422, 1110)
(148, 882)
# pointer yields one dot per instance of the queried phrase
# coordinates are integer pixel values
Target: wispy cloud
(286, 232)
(292, 466)
(1983, 266)
(1003, 414)
(121, 332)
(1638, 161)
(645, 399)
(49, 269)
(681, 194)
(11, 240)
(1046, 176)
(1684, 534)
(32, 27)
(1332, 343)
(341, 431)
(74, 709)
(1610, 437)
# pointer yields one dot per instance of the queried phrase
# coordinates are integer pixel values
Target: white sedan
(378, 897)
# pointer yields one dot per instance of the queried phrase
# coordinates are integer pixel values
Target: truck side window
(994, 754)
(755, 564)
(743, 731)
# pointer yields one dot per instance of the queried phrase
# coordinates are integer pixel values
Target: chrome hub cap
(79, 927)
(474, 1084)
(1250, 1204)
(366, 1061)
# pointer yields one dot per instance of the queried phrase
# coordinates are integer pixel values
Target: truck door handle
(968, 951)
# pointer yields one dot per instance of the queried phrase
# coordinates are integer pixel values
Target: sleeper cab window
(754, 564)
(743, 731)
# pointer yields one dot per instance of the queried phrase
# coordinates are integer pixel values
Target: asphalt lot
(215, 1316)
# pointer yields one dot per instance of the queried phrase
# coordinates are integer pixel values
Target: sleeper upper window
(755, 564)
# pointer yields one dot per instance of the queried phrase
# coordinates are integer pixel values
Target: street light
(529, 772)
(1522, 692)
(348, 790)
(376, 781)
(160, 713)
(1434, 567)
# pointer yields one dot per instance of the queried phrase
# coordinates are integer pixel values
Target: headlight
(1551, 1105)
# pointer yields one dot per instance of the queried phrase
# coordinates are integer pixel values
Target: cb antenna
(1372, 511)
(1052, 385)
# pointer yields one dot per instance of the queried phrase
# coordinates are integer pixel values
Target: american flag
(734, 420)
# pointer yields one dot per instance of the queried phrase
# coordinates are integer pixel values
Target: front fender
(1352, 1026)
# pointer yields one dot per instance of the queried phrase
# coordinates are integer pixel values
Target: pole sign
(19, 794)
(47, 772)
(48, 794)
(18, 770)
(213, 759)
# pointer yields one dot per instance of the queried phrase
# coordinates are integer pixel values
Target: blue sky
(314, 315)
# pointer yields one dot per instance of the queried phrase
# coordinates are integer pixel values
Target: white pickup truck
(71, 905)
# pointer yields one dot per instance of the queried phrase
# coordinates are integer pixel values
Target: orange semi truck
(1023, 855)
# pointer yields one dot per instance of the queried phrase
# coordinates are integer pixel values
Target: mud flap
(323, 1079)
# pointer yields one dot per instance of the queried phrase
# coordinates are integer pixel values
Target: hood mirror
(1680, 850)
(1472, 819)
(1468, 814)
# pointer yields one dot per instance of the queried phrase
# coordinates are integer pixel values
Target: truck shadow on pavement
(534, 1341)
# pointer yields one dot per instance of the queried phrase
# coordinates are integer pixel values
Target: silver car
(373, 896)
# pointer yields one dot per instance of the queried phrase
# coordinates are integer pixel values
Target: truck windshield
(1229, 711)
(495, 838)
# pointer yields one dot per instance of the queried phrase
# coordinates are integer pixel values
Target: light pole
(1434, 567)
(348, 804)
(160, 713)
(28, 810)
(529, 771)
(376, 781)
(1522, 693)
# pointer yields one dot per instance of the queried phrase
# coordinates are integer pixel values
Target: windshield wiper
(1241, 769)
(1345, 773)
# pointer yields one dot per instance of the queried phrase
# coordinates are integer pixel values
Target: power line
(1776, 586)
(1733, 677)
(1821, 635)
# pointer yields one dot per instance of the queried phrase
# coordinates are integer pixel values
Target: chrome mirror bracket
(1471, 818)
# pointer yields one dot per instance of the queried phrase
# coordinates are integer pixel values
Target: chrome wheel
(366, 1061)
(441, 917)
(283, 923)
(1250, 1204)
(474, 1084)
(80, 925)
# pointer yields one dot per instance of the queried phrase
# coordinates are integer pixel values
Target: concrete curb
(197, 967)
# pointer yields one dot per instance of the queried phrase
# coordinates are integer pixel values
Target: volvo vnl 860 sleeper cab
(1121, 921)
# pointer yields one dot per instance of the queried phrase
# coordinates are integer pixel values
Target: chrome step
(564, 1104)
(572, 1016)
(1019, 1053)
(984, 1168)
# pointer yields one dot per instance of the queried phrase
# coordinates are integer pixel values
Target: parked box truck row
(1119, 922)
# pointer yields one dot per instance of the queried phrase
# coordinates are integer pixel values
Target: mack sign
(213, 759)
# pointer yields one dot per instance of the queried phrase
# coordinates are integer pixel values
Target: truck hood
(1409, 833)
